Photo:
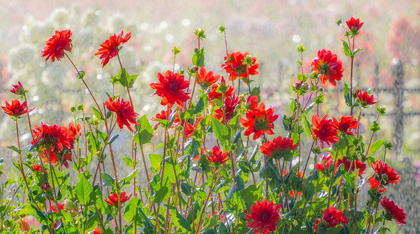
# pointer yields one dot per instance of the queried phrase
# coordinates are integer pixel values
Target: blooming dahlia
(259, 121)
(51, 137)
(346, 124)
(171, 88)
(328, 67)
(217, 156)
(18, 89)
(324, 130)
(229, 108)
(54, 48)
(113, 198)
(124, 110)
(264, 217)
(190, 129)
(393, 211)
(279, 148)
(16, 109)
(97, 230)
(375, 185)
(235, 68)
(110, 47)
(365, 99)
(383, 169)
(332, 217)
(354, 25)
(251, 102)
(205, 79)
(356, 164)
(325, 164)
(215, 94)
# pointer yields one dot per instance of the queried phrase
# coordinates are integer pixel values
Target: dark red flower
(393, 211)
(354, 25)
(279, 148)
(324, 130)
(37, 168)
(97, 230)
(113, 198)
(215, 94)
(190, 129)
(384, 169)
(205, 79)
(346, 123)
(171, 88)
(328, 67)
(251, 102)
(326, 162)
(217, 156)
(16, 109)
(54, 48)
(110, 47)
(229, 108)
(259, 121)
(18, 89)
(124, 110)
(357, 164)
(51, 137)
(235, 68)
(375, 185)
(264, 217)
(364, 98)
(332, 217)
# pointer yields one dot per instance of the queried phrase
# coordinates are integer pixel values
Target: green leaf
(155, 161)
(201, 104)
(107, 179)
(376, 146)
(198, 57)
(307, 126)
(180, 221)
(221, 132)
(308, 191)
(347, 50)
(129, 162)
(131, 213)
(145, 132)
(126, 181)
(14, 148)
(97, 113)
(162, 190)
(83, 190)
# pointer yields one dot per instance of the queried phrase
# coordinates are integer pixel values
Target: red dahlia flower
(190, 129)
(278, 148)
(215, 94)
(51, 137)
(110, 47)
(16, 109)
(264, 216)
(354, 165)
(326, 162)
(37, 168)
(251, 102)
(346, 123)
(354, 25)
(54, 48)
(393, 211)
(324, 130)
(124, 110)
(332, 217)
(327, 65)
(217, 156)
(74, 131)
(171, 88)
(113, 198)
(205, 79)
(375, 185)
(18, 89)
(235, 68)
(364, 98)
(384, 169)
(259, 121)
(97, 230)
(229, 109)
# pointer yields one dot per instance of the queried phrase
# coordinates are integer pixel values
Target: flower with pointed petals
(382, 169)
(18, 89)
(206, 79)
(235, 68)
(97, 230)
(113, 198)
(124, 110)
(259, 121)
(190, 129)
(364, 98)
(375, 185)
(263, 217)
(357, 164)
(16, 109)
(354, 25)
(295, 194)
(216, 156)
(51, 137)
(215, 94)
(325, 164)
(37, 168)
(324, 130)
(229, 108)
(171, 88)
(251, 102)
(332, 217)
(279, 148)
(54, 48)
(393, 211)
(328, 67)
(109, 48)
(346, 124)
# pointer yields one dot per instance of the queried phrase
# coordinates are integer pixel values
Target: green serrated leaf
(145, 132)
(83, 190)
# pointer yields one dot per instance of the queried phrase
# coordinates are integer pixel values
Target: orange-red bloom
(37, 168)
(51, 137)
(190, 129)
(393, 211)
(259, 121)
(375, 185)
(110, 47)
(205, 79)
(214, 94)
(384, 169)
(355, 165)
(278, 148)
(354, 25)
(251, 102)
(235, 68)
(327, 65)
(332, 217)
(54, 48)
(16, 109)
(326, 162)
(229, 109)
(124, 110)
(113, 198)
(264, 217)
(346, 124)
(324, 130)
(217, 156)
(18, 89)
(97, 230)
(171, 88)
(365, 99)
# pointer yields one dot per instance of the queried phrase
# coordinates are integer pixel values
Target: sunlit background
(268, 30)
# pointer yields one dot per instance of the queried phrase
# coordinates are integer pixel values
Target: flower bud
(68, 205)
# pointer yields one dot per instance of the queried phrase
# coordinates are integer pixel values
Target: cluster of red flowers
(264, 217)
(352, 166)
(325, 164)
(216, 94)
(235, 67)
(227, 112)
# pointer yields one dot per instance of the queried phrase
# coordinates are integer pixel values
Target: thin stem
(20, 157)
(370, 141)
(307, 160)
(207, 199)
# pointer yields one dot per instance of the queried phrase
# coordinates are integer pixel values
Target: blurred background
(268, 30)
